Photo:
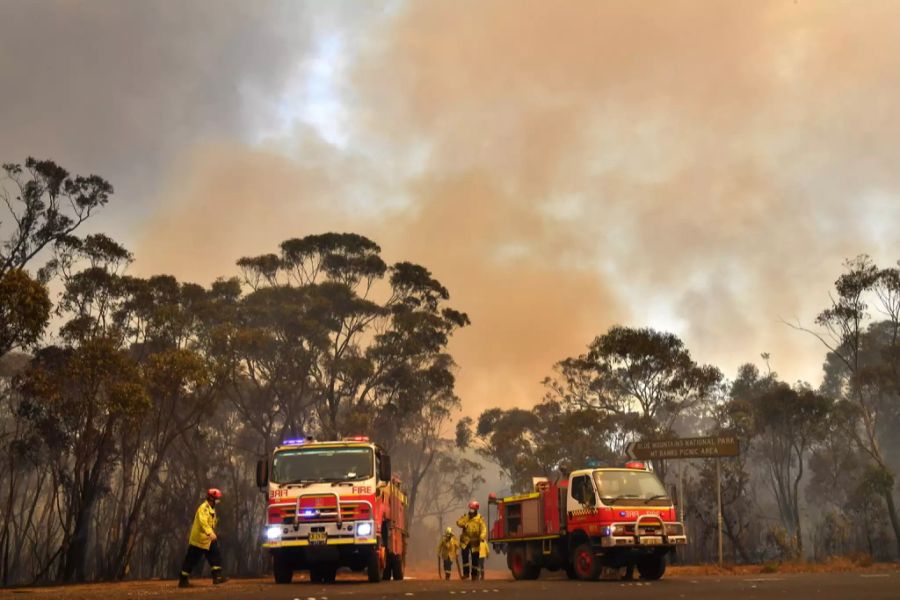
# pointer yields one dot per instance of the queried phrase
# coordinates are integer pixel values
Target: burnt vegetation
(122, 398)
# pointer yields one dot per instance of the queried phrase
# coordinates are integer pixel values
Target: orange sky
(701, 167)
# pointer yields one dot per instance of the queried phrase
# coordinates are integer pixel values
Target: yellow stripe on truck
(337, 542)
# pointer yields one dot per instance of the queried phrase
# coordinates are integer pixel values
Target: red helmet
(213, 493)
(473, 505)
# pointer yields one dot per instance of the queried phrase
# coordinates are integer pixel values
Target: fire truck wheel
(517, 560)
(652, 567)
(585, 563)
(570, 571)
(396, 562)
(283, 569)
(329, 574)
(373, 569)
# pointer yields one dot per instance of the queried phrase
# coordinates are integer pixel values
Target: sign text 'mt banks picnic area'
(704, 447)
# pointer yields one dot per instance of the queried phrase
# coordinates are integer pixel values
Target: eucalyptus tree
(43, 205)
(863, 368)
(344, 344)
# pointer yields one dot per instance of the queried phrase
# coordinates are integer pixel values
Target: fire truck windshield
(626, 487)
(316, 465)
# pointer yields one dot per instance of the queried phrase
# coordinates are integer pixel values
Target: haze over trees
(817, 473)
(154, 389)
(123, 398)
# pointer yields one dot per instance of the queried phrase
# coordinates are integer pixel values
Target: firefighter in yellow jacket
(448, 551)
(474, 530)
(202, 543)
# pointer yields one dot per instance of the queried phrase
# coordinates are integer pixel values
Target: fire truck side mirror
(385, 474)
(262, 473)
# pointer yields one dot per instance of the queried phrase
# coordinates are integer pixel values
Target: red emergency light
(357, 438)
(635, 464)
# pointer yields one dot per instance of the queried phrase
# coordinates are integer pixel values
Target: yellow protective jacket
(473, 531)
(204, 525)
(448, 547)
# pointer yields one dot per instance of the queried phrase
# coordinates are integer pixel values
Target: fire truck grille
(321, 514)
(644, 530)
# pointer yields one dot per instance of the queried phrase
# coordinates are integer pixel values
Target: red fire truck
(607, 517)
(331, 505)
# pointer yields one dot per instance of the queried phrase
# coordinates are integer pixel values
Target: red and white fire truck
(331, 505)
(607, 517)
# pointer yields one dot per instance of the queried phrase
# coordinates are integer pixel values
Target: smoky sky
(700, 167)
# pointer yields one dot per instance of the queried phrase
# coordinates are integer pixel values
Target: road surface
(828, 586)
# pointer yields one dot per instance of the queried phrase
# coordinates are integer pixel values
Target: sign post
(717, 446)
(719, 504)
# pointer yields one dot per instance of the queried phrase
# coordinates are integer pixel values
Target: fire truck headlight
(607, 531)
(674, 529)
(364, 529)
(273, 532)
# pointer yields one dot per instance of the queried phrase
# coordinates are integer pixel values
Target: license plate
(650, 541)
(317, 537)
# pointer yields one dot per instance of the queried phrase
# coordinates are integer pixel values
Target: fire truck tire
(585, 563)
(373, 569)
(396, 566)
(329, 574)
(323, 574)
(570, 571)
(652, 567)
(282, 568)
(518, 564)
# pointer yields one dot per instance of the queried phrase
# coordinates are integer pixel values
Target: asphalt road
(830, 586)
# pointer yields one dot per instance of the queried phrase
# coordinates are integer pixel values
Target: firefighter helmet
(473, 505)
(214, 493)
(448, 532)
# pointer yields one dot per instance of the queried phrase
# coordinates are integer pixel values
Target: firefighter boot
(183, 581)
(218, 578)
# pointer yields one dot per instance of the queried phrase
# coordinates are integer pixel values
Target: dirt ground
(164, 587)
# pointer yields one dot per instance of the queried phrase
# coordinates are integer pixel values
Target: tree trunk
(74, 567)
(796, 508)
(892, 514)
(735, 539)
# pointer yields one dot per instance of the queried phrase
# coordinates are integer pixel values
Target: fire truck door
(582, 495)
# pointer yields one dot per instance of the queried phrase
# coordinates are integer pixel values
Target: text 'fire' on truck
(332, 505)
(608, 517)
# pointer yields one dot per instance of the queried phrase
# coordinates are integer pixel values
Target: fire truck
(331, 505)
(595, 518)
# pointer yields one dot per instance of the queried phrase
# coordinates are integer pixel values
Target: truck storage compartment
(523, 518)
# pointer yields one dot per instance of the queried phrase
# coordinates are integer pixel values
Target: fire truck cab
(607, 517)
(330, 505)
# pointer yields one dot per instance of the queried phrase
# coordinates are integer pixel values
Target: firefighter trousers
(195, 554)
(471, 554)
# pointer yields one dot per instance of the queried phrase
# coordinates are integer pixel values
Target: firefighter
(473, 531)
(448, 551)
(203, 543)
